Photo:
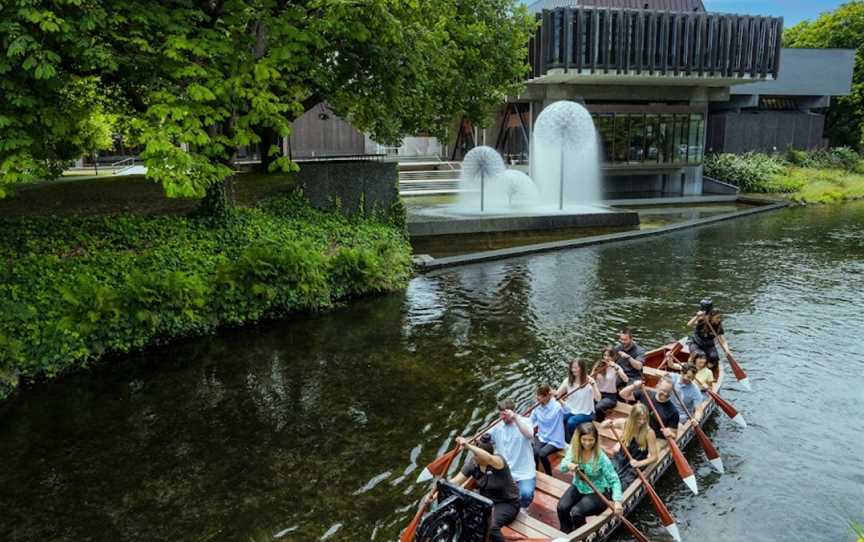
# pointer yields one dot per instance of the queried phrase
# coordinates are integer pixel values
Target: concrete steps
(429, 178)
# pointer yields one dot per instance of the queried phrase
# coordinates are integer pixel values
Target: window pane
(680, 149)
(651, 138)
(606, 131)
(621, 138)
(667, 135)
(637, 138)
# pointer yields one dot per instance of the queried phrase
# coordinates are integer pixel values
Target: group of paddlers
(504, 461)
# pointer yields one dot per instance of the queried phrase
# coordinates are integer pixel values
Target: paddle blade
(708, 446)
(438, 467)
(673, 531)
(727, 408)
(683, 466)
(710, 451)
(718, 465)
(637, 534)
(740, 375)
(409, 532)
(662, 511)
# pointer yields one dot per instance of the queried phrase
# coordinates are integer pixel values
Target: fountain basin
(449, 221)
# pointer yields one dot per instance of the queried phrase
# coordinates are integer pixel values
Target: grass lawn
(810, 185)
(131, 194)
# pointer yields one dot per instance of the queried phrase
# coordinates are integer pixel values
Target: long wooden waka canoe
(541, 520)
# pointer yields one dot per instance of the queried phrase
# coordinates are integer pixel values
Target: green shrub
(837, 158)
(75, 289)
(846, 157)
(751, 172)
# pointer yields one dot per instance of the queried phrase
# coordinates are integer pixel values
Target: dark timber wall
(626, 41)
(764, 131)
(319, 132)
(351, 186)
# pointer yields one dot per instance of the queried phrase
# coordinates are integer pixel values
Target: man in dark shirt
(662, 399)
(630, 355)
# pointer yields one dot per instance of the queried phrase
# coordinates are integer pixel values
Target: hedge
(73, 290)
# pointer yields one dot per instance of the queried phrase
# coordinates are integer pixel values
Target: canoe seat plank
(551, 486)
(547, 530)
(522, 531)
(544, 509)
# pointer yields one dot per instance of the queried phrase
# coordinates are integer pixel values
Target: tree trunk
(219, 201)
(269, 137)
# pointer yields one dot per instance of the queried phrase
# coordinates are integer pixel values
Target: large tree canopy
(841, 28)
(48, 93)
(195, 80)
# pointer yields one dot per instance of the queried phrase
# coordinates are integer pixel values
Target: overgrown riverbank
(73, 290)
(805, 177)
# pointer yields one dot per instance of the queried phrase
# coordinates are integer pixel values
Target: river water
(314, 428)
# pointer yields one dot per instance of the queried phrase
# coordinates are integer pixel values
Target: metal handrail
(115, 167)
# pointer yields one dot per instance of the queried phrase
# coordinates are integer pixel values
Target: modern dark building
(786, 112)
(647, 72)
(661, 78)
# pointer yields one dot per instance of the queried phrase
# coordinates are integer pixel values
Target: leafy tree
(100, 123)
(841, 28)
(199, 79)
(48, 58)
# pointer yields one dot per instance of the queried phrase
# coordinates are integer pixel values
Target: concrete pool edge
(423, 263)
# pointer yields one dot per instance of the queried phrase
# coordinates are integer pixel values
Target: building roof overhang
(587, 77)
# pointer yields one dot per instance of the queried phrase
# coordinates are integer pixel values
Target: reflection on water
(314, 428)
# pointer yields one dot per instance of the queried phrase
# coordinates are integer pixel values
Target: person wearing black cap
(705, 334)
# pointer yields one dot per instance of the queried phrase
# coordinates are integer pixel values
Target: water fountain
(563, 189)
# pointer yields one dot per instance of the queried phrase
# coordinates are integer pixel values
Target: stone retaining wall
(351, 186)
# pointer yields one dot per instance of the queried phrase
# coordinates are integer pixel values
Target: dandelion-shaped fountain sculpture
(484, 164)
(518, 185)
(569, 127)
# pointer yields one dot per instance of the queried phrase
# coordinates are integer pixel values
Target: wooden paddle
(662, 511)
(672, 351)
(684, 469)
(710, 451)
(740, 375)
(439, 466)
(411, 530)
(637, 534)
(727, 407)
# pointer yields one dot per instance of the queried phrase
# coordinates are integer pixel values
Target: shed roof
(665, 5)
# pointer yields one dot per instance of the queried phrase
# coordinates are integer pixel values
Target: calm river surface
(314, 428)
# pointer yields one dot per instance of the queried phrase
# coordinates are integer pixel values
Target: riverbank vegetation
(822, 176)
(75, 289)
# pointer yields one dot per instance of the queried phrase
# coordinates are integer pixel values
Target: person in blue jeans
(513, 440)
(548, 418)
(583, 393)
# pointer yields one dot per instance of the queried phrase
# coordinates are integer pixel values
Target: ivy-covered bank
(75, 289)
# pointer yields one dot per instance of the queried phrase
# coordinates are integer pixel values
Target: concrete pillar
(692, 181)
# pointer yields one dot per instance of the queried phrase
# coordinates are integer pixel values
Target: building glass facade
(651, 139)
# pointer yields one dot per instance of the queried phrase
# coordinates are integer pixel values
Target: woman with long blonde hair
(637, 436)
(580, 501)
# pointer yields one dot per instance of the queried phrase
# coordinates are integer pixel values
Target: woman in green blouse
(580, 501)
